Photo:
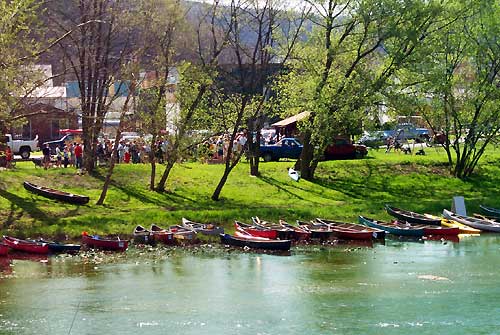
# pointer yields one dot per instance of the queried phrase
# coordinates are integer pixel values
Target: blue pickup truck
(407, 131)
(285, 148)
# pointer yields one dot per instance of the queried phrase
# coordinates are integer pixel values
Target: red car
(343, 149)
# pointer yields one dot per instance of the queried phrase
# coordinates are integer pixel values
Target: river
(431, 287)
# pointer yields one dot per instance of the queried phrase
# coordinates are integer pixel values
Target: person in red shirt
(78, 156)
(8, 157)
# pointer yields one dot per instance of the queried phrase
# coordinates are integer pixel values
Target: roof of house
(291, 119)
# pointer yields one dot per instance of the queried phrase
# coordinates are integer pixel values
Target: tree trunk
(170, 164)
(152, 160)
(306, 164)
(253, 152)
(220, 185)
(107, 181)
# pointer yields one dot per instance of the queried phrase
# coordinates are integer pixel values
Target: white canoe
(485, 225)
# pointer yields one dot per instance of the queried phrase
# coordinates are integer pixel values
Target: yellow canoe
(464, 229)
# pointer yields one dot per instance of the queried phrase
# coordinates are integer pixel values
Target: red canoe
(26, 246)
(4, 249)
(98, 242)
(440, 230)
(158, 234)
(299, 234)
(256, 230)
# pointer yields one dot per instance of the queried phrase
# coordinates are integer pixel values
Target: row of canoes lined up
(279, 236)
(45, 247)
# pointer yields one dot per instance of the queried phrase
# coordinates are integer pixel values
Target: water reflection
(345, 289)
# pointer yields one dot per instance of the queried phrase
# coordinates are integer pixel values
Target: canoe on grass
(411, 217)
(97, 242)
(161, 235)
(57, 247)
(254, 230)
(454, 224)
(246, 240)
(142, 235)
(205, 229)
(33, 247)
(318, 231)
(490, 211)
(485, 225)
(375, 233)
(56, 194)
(299, 234)
(283, 233)
(182, 233)
(4, 249)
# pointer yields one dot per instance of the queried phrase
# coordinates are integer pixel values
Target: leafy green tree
(352, 52)
(19, 48)
(455, 82)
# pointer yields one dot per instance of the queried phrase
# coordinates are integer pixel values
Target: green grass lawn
(343, 190)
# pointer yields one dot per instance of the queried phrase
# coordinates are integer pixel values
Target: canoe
(254, 242)
(33, 247)
(97, 242)
(182, 233)
(411, 217)
(481, 224)
(283, 233)
(393, 228)
(293, 174)
(486, 217)
(205, 229)
(56, 247)
(318, 231)
(142, 235)
(161, 235)
(4, 249)
(439, 230)
(344, 233)
(56, 194)
(375, 233)
(454, 224)
(490, 211)
(299, 234)
(257, 231)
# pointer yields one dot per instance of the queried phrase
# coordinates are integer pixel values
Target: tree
(100, 43)
(246, 86)
(19, 31)
(456, 83)
(212, 34)
(355, 48)
(163, 27)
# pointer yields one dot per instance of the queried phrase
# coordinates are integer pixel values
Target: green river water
(432, 287)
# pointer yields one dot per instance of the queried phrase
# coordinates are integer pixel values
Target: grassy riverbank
(343, 190)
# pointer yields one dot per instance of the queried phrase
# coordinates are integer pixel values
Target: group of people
(217, 147)
(136, 151)
(69, 155)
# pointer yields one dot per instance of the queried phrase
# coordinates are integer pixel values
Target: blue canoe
(393, 228)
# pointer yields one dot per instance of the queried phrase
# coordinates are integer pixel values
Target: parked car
(343, 149)
(59, 143)
(408, 131)
(373, 139)
(287, 147)
(21, 147)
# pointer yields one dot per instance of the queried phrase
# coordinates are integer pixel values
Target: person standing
(72, 154)
(59, 156)
(78, 156)
(66, 156)
(46, 156)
